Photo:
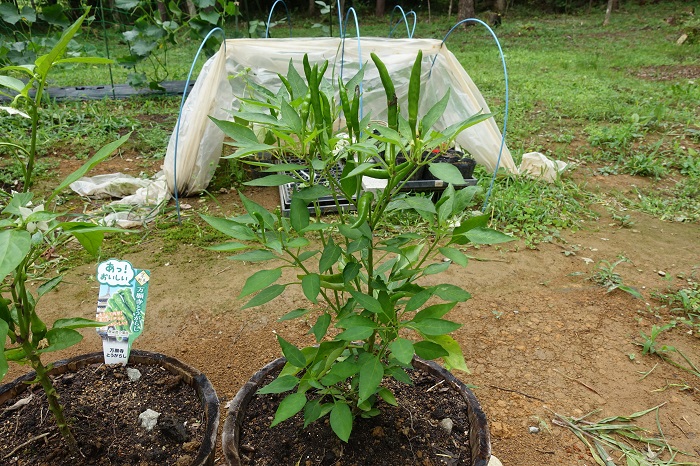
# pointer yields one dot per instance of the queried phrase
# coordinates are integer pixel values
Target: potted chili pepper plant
(376, 308)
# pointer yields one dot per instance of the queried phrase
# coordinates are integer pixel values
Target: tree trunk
(465, 9)
(499, 6)
(311, 8)
(381, 6)
(608, 11)
(162, 10)
(191, 9)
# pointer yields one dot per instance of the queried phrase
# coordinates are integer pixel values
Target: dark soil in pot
(103, 405)
(414, 433)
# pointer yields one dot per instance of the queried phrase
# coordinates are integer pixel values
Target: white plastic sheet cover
(223, 80)
(144, 197)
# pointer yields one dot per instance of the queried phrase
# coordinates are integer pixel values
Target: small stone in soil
(446, 425)
(149, 419)
(133, 374)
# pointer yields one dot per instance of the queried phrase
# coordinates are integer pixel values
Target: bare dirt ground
(539, 336)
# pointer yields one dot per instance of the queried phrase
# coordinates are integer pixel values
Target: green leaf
(12, 83)
(239, 133)
(434, 312)
(299, 215)
(434, 114)
(367, 302)
(210, 16)
(5, 314)
(315, 410)
(293, 354)
(371, 375)
(295, 314)
(258, 255)
(271, 180)
(436, 268)
(87, 60)
(288, 407)
(230, 228)
(312, 193)
(259, 280)
(14, 247)
(402, 350)
(435, 326)
(350, 271)
(61, 338)
(633, 291)
(9, 13)
(311, 285)
(281, 384)
(482, 235)
(400, 374)
(455, 357)
(265, 296)
(320, 328)
(472, 222)
(329, 257)
(446, 172)
(256, 210)
(88, 237)
(54, 15)
(126, 4)
(452, 293)
(77, 322)
(455, 255)
(388, 396)
(429, 350)
(418, 299)
(291, 118)
(227, 247)
(355, 333)
(341, 420)
(99, 156)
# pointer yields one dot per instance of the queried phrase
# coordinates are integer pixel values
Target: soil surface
(104, 404)
(429, 426)
(539, 335)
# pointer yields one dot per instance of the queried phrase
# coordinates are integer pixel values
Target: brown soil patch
(538, 335)
(668, 72)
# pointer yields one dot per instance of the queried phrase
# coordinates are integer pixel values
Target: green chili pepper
(363, 207)
(414, 94)
(391, 100)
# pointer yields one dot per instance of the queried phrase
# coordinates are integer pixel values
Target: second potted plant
(376, 306)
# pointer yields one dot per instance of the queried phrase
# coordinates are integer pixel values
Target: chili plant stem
(51, 396)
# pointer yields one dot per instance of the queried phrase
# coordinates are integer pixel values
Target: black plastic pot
(463, 163)
(418, 175)
(191, 376)
(479, 436)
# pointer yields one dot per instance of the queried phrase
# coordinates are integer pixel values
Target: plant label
(121, 305)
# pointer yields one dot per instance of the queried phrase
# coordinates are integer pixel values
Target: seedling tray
(435, 185)
(326, 204)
